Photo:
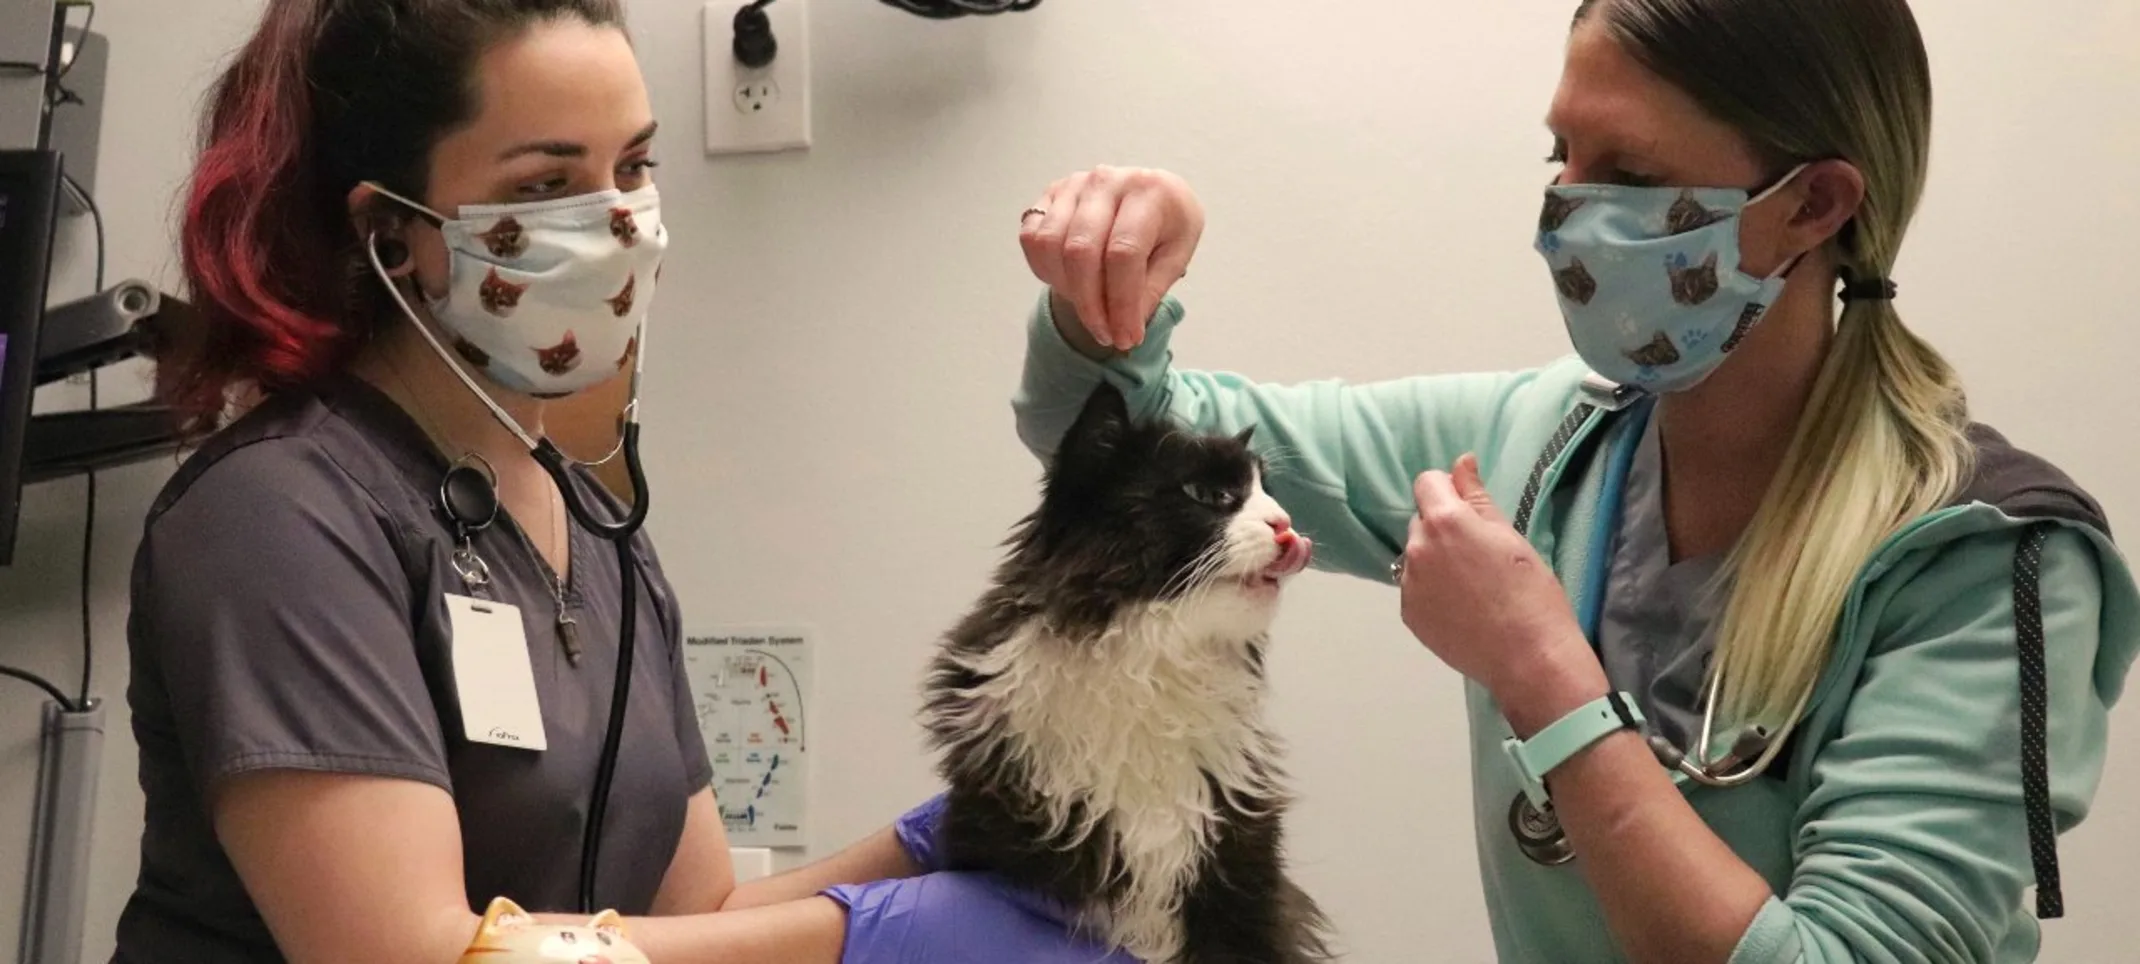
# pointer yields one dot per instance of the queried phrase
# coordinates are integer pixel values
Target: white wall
(828, 427)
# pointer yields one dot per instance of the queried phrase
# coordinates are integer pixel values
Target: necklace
(568, 635)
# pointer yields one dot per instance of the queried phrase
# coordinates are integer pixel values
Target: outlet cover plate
(763, 109)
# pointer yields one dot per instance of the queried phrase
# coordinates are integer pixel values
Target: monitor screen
(29, 204)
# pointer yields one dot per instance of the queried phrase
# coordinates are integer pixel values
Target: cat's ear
(1246, 434)
(1096, 435)
(607, 922)
(503, 915)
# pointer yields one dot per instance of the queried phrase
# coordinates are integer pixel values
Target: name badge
(492, 675)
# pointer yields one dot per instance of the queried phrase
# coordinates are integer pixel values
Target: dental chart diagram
(751, 686)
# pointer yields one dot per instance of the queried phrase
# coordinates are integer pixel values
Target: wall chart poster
(751, 687)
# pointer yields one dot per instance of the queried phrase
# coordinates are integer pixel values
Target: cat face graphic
(500, 296)
(623, 227)
(1692, 285)
(505, 239)
(1688, 214)
(1556, 212)
(561, 358)
(509, 935)
(1657, 354)
(620, 303)
(1575, 282)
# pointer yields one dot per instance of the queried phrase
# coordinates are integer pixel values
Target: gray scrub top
(1658, 626)
(289, 613)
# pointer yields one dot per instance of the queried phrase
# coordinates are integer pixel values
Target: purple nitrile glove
(957, 918)
(917, 830)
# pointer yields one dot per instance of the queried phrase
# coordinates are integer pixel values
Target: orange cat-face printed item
(509, 935)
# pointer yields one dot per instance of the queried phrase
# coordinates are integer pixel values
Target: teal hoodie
(1897, 824)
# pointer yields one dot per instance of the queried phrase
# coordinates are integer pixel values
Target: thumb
(1473, 489)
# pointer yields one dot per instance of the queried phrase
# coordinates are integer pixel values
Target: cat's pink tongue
(1294, 555)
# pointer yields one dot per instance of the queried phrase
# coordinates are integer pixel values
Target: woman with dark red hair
(363, 715)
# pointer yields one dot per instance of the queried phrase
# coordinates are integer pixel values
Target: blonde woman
(1774, 655)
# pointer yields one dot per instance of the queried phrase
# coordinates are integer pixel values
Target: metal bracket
(55, 903)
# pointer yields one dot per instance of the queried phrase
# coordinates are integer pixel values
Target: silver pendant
(1538, 832)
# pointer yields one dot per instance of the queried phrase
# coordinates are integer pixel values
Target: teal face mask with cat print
(1649, 278)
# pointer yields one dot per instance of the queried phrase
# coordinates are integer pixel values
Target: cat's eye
(1224, 500)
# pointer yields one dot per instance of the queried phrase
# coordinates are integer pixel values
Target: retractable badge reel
(469, 496)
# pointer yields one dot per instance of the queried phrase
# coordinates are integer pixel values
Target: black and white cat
(1100, 711)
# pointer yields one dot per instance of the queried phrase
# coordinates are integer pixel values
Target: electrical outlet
(750, 110)
(754, 96)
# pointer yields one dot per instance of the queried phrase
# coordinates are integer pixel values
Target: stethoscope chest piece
(1538, 832)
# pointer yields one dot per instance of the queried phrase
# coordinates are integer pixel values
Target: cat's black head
(1139, 511)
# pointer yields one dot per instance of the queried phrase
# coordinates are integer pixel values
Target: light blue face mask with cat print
(1649, 278)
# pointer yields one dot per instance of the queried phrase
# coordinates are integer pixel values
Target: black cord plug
(755, 45)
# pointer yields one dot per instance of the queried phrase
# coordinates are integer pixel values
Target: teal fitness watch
(1568, 736)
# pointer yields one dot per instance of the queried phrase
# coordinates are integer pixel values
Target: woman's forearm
(876, 857)
(1672, 891)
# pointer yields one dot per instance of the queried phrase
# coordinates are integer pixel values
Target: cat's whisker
(1280, 455)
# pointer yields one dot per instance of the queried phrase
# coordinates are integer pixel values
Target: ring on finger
(1397, 569)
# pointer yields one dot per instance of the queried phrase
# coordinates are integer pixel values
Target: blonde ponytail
(1881, 442)
(1883, 439)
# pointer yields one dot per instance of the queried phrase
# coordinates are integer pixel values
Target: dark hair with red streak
(326, 94)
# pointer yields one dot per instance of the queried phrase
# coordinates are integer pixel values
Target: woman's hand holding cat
(917, 830)
(1480, 598)
(1109, 243)
(949, 918)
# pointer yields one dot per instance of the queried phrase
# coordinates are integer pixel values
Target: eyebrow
(572, 149)
(1645, 150)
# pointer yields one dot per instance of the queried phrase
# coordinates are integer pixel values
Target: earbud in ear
(393, 254)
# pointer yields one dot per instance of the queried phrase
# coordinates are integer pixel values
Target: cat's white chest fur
(1130, 725)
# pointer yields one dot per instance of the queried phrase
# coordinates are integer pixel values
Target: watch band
(1568, 736)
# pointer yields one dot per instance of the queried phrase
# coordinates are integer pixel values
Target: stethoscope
(1537, 830)
(469, 496)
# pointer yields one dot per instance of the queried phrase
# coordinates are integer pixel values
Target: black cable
(89, 495)
(41, 683)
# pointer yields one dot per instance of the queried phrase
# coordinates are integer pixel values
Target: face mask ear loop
(1780, 184)
(1769, 192)
(371, 251)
